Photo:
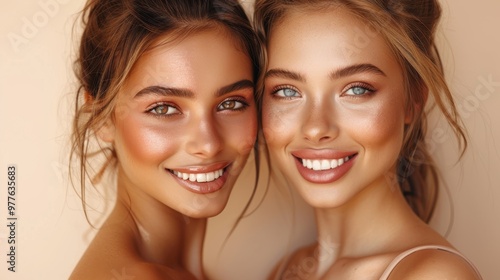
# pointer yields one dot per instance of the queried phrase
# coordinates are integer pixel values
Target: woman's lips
(202, 180)
(199, 177)
(322, 167)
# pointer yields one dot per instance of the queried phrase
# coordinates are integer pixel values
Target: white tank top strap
(406, 253)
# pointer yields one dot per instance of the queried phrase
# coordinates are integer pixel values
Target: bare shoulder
(113, 255)
(291, 264)
(152, 271)
(434, 264)
(135, 270)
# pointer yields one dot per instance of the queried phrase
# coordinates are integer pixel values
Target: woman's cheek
(380, 125)
(280, 122)
(149, 143)
(243, 132)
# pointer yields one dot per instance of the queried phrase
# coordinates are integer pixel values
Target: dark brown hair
(116, 33)
(409, 28)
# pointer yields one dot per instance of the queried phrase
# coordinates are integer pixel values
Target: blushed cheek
(278, 125)
(244, 133)
(148, 144)
(380, 127)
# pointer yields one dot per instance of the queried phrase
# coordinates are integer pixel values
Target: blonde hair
(409, 29)
(116, 34)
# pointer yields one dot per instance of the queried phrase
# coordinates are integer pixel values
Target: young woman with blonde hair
(343, 93)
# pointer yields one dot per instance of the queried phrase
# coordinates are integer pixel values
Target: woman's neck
(366, 225)
(162, 235)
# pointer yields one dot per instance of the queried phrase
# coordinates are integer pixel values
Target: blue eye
(357, 91)
(164, 110)
(286, 93)
(232, 104)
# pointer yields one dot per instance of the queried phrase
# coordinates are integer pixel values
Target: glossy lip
(202, 168)
(203, 187)
(323, 176)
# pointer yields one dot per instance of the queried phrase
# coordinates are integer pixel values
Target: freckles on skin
(195, 132)
(243, 135)
(378, 122)
(146, 141)
(371, 124)
(275, 124)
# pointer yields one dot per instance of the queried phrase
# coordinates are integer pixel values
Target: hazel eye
(286, 93)
(358, 90)
(231, 105)
(164, 110)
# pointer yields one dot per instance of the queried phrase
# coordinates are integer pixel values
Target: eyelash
(244, 103)
(165, 104)
(150, 110)
(284, 87)
(369, 90)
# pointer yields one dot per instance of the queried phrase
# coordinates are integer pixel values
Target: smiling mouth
(199, 177)
(324, 164)
(202, 180)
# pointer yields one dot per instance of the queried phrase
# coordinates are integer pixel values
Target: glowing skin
(334, 116)
(333, 113)
(183, 127)
(178, 127)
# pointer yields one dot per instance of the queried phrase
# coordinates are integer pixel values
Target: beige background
(36, 88)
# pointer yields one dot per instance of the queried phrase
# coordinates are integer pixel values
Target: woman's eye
(231, 105)
(358, 90)
(286, 93)
(164, 110)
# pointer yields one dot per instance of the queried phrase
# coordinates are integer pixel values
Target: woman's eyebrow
(243, 84)
(355, 69)
(282, 73)
(336, 74)
(165, 91)
(181, 92)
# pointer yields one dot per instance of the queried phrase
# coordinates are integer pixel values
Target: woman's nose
(320, 124)
(205, 140)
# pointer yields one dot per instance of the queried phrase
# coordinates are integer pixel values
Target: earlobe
(88, 97)
(409, 114)
(106, 132)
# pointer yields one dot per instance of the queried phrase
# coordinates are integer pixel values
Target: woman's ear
(410, 113)
(106, 132)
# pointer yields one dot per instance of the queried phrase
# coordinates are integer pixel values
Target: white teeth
(192, 177)
(316, 165)
(323, 164)
(200, 177)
